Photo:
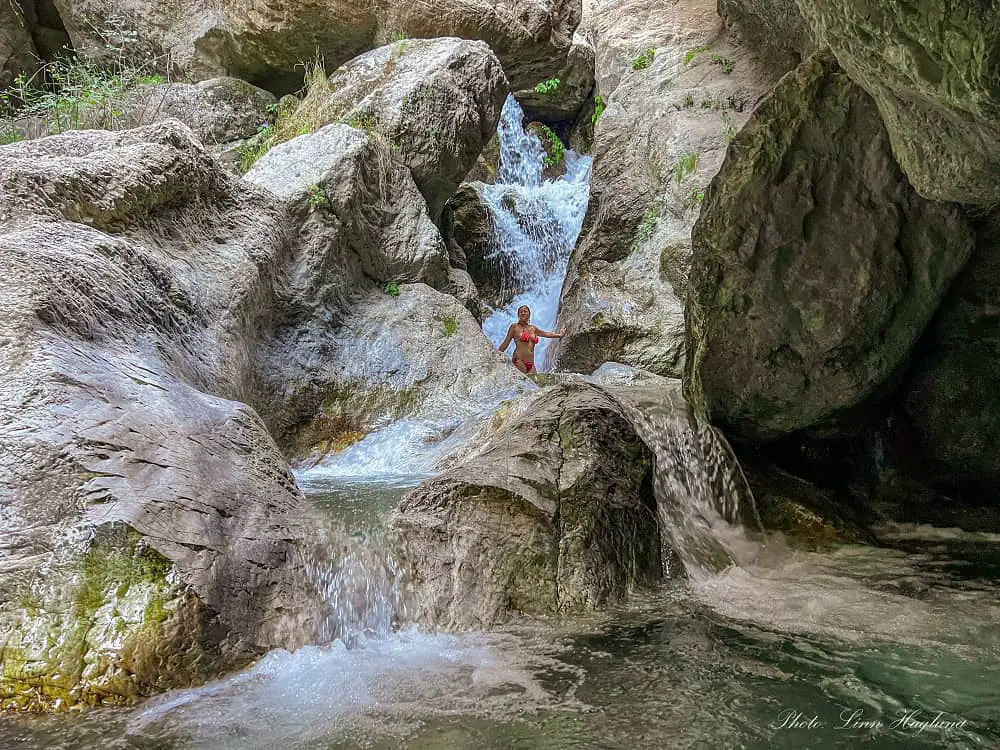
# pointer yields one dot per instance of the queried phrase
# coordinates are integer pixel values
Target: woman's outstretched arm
(549, 334)
(508, 339)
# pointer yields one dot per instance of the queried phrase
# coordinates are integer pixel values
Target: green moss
(450, 325)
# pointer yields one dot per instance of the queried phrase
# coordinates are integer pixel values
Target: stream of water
(758, 647)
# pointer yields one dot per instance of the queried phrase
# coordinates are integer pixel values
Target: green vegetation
(598, 109)
(8, 135)
(644, 60)
(645, 229)
(547, 87)
(450, 323)
(69, 93)
(691, 54)
(696, 196)
(685, 166)
(391, 288)
(317, 197)
(688, 101)
(706, 103)
(730, 127)
(724, 62)
(555, 151)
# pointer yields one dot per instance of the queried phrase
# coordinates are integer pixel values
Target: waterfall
(536, 223)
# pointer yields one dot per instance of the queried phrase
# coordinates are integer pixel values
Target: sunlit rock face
(148, 517)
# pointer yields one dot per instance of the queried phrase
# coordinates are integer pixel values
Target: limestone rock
(437, 101)
(664, 131)
(933, 69)
(404, 351)
(266, 44)
(17, 51)
(816, 266)
(140, 277)
(555, 513)
(530, 37)
(774, 29)
(574, 89)
(218, 111)
(358, 210)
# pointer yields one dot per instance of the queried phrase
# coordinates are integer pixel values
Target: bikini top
(526, 336)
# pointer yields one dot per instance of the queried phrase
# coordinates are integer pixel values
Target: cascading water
(536, 224)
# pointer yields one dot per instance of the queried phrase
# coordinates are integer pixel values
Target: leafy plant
(391, 288)
(555, 151)
(69, 93)
(691, 54)
(317, 197)
(547, 87)
(706, 103)
(450, 325)
(730, 127)
(644, 60)
(696, 196)
(647, 225)
(688, 101)
(598, 109)
(724, 62)
(685, 166)
(8, 135)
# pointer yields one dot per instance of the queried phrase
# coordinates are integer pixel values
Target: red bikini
(526, 337)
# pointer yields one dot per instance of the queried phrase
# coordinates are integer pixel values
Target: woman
(525, 336)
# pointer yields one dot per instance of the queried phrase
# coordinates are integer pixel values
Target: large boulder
(530, 37)
(152, 533)
(360, 216)
(951, 399)
(816, 266)
(436, 101)
(266, 45)
(671, 109)
(556, 513)
(219, 111)
(933, 69)
(17, 51)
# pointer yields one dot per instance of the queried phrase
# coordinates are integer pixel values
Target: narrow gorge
(266, 479)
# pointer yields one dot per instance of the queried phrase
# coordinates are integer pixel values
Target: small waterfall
(536, 223)
(702, 497)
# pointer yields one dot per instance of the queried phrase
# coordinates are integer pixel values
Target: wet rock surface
(554, 514)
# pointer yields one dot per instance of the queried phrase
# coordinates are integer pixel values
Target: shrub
(555, 151)
(547, 87)
(598, 109)
(69, 93)
(644, 60)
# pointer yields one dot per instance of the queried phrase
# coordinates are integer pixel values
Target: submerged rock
(816, 266)
(554, 514)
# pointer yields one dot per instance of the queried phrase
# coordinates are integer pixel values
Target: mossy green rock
(816, 266)
(933, 69)
(108, 623)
